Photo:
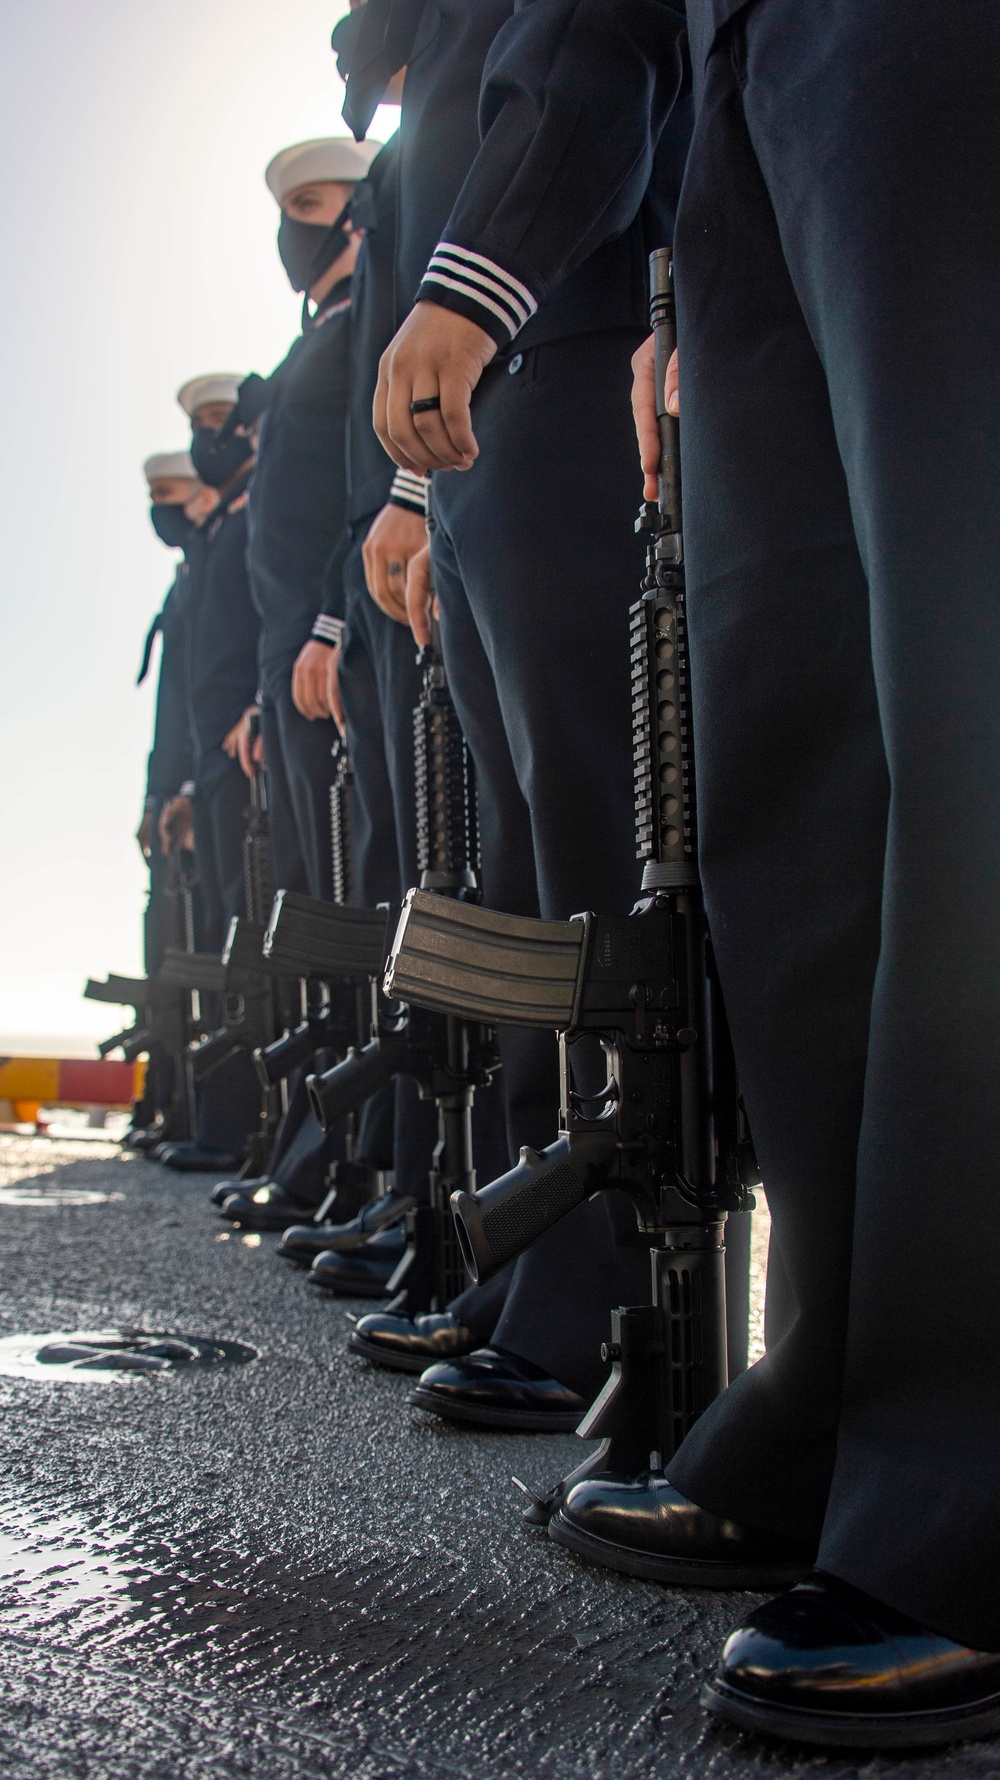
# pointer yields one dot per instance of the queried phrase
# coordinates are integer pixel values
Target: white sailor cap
(328, 157)
(169, 463)
(218, 386)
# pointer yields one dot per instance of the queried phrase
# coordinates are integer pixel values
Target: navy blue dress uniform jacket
(533, 211)
(223, 630)
(171, 759)
(297, 506)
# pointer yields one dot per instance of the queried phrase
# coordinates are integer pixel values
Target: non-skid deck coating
(277, 1570)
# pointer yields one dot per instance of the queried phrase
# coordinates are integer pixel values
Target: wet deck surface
(277, 1570)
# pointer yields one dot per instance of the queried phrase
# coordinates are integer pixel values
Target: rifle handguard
(193, 970)
(119, 991)
(472, 962)
(336, 1093)
(499, 1222)
(309, 938)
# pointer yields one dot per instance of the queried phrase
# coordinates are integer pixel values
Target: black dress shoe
(363, 1272)
(827, 1664)
(194, 1158)
(644, 1527)
(303, 1242)
(409, 1344)
(493, 1389)
(224, 1189)
(266, 1208)
(143, 1138)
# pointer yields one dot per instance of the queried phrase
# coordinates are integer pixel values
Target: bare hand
(176, 826)
(144, 835)
(644, 410)
(310, 695)
(435, 353)
(395, 537)
(201, 504)
(420, 601)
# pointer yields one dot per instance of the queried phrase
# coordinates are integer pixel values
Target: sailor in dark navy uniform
(380, 684)
(171, 479)
(296, 518)
(173, 487)
(221, 642)
(534, 563)
(839, 361)
(298, 502)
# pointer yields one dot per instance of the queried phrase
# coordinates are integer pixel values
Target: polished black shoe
(827, 1664)
(143, 1139)
(224, 1189)
(492, 1389)
(301, 1243)
(644, 1527)
(194, 1158)
(363, 1272)
(266, 1208)
(410, 1344)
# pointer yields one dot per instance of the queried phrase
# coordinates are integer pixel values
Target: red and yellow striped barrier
(26, 1083)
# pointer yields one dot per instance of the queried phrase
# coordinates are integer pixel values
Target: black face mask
(218, 458)
(345, 36)
(171, 524)
(307, 250)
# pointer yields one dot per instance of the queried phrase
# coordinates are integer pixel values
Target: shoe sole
(509, 1421)
(676, 1571)
(369, 1350)
(355, 1290)
(904, 1730)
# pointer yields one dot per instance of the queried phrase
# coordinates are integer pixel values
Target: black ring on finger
(425, 405)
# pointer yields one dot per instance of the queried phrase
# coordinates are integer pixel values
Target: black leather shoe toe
(267, 1208)
(224, 1189)
(364, 1272)
(303, 1242)
(827, 1664)
(644, 1527)
(143, 1139)
(194, 1158)
(410, 1344)
(493, 1389)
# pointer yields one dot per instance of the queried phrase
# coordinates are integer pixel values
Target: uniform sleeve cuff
(479, 289)
(410, 491)
(150, 804)
(327, 629)
(187, 789)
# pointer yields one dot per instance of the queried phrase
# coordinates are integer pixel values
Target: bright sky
(140, 251)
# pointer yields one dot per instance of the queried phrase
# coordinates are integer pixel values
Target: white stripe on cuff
(407, 486)
(462, 262)
(327, 629)
(188, 788)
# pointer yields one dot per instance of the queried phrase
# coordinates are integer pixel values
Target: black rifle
(162, 1027)
(668, 1128)
(259, 1001)
(327, 1022)
(166, 1023)
(335, 952)
(448, 1056)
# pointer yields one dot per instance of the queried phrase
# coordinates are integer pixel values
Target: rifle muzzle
(499, 1222)
(333, 1095)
